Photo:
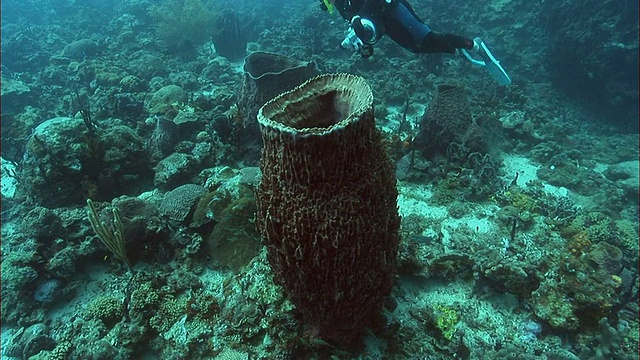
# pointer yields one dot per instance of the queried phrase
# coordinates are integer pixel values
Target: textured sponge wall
(327, 203)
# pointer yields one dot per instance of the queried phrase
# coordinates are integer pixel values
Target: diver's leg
(445, 43)
(404, 27)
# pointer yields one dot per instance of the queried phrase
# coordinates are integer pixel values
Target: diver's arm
(346, 9)
(370, 9)
(369, 19)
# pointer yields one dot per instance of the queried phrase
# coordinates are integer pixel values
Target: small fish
(420, 238)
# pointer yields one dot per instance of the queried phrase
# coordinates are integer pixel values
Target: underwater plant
(110, 235)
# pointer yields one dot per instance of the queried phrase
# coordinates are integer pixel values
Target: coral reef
(183, 21)
(448, 132)
(519, 205)
(100, 164)
(234, 240)
(447, 127)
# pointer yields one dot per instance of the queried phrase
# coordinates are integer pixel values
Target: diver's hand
(351, 41)
(365, 29)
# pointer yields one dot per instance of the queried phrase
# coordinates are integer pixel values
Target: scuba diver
(369, 20)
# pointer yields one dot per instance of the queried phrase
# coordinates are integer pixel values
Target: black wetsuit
(398, 20)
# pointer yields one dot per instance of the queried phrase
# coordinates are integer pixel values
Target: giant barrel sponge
(327, 207)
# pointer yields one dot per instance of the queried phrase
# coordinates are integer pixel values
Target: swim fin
(490, 62)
